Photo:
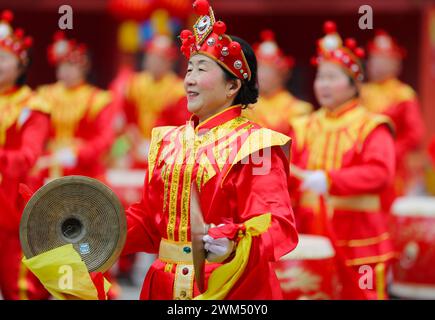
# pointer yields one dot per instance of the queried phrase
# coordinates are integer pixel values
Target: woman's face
(332, 86)
(206, 88)
(71, 74)
(382, 67)
(270, 79)
(10, 69)
(157, 64)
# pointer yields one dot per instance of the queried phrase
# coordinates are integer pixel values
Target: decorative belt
(365, 202)
(180, 254)
(175, 252)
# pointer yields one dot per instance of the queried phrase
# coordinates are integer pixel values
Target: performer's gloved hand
(218, 249)
(66, 157)
(315, 181)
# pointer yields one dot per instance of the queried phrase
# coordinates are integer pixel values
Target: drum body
(309, 271)
(414, 239)
(127, 184)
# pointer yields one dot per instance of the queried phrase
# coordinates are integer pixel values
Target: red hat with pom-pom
(66, 50)
(162, 45)
(348, 55)
(384, 43)
(12, 40)
(209, 38)
(268, 52)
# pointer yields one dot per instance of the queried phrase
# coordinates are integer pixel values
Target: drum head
(77, 210)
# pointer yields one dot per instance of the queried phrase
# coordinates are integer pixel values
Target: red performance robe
(232, 190)
(81, 118)
(399, 102)
(277, 111)
(356, 150)
(24, 123)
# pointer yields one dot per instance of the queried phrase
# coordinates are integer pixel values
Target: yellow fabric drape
(223, 279)
(64, 274)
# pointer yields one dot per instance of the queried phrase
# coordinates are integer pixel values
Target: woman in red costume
(81, 114)
(24, 122)
(345, 159)
(239, 169)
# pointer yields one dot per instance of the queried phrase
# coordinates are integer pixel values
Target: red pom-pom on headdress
(66, 50)
(268, 52)
(384, 43)
(209, 37)
(201, 7)
(12, 40)
(347, 55)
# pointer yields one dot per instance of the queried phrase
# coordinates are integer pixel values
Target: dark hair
(353, 83)
(22, 78)
(248, 93)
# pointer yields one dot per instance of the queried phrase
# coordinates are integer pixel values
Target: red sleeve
(411, 129)
(432, 150)
(142, 231)
(34, 134)
(296, 163)
(130, 111)
(102, 136)
(295, 149)
(374, 170)
(266, 192)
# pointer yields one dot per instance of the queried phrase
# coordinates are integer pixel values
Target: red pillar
(427, 69)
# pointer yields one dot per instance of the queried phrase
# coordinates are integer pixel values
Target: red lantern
(132, 9)
(176, 8)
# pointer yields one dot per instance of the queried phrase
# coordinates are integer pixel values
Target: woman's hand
(218, 250)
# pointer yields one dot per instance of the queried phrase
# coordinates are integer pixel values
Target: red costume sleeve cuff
(230, 231)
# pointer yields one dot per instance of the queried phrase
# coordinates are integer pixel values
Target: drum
(127, 184)
(309, 272)
(414, 239)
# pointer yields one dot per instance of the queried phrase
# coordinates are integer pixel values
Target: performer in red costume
(24, 122)
(81, 114)
(276, 106)
(386, 94)
(239, 169)
(345, 159)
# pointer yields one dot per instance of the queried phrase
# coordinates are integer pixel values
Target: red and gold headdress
(12, 40)
(268, 52)
(66, 50)
(163, 45)
(383, 43)
(348, 56)
(209, 38)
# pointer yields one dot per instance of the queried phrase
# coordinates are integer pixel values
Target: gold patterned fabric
(13, 103)
(69, 106)
(150, 97)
